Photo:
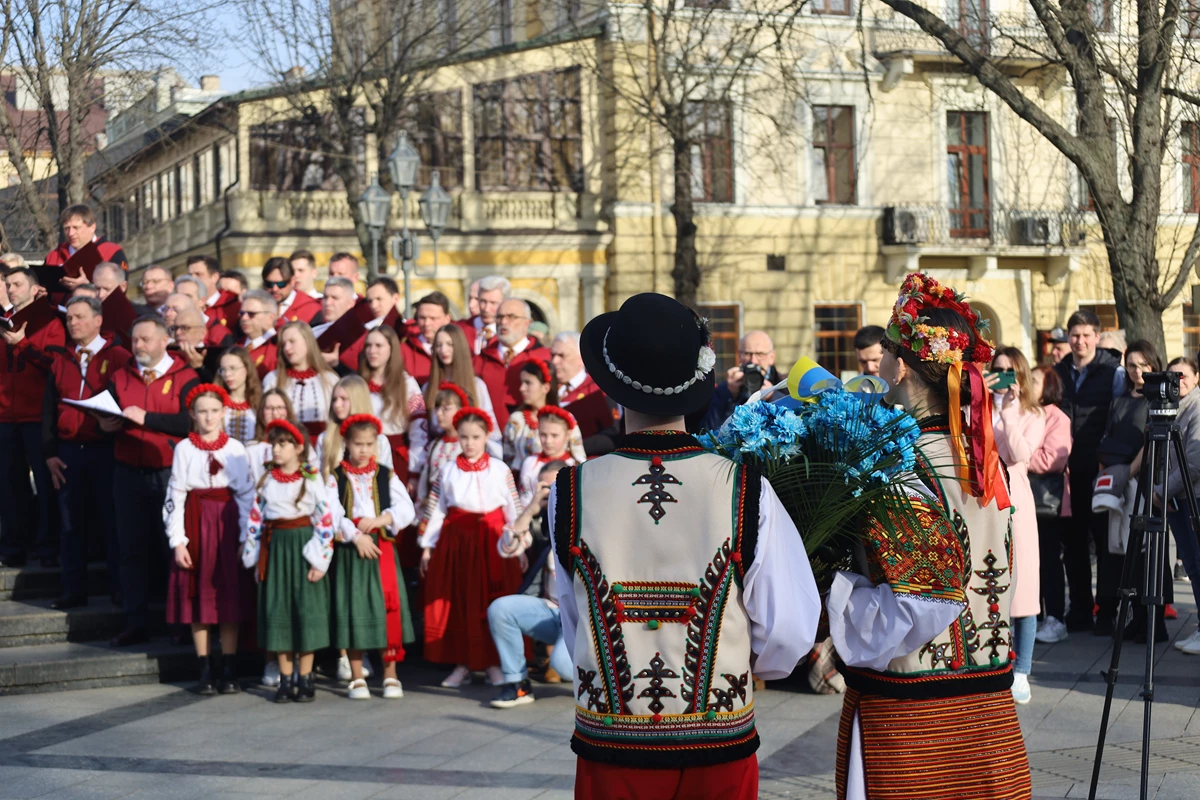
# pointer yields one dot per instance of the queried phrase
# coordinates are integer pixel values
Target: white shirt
(277, 500)
(310, 398)
(189, 470)
(345, 530)
(91, 348)
(254, 344)
(212, 301)
(475, 492)
(572, 384)
(519, 347)
(375, 323)
(287, 303)
(314, 294)
(160, 369)
(778, 592)
(483, 334)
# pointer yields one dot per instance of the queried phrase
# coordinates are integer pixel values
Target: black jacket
(1088, 407)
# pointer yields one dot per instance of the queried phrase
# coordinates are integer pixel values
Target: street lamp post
(435, 210)
(402, 166)
(373, 208)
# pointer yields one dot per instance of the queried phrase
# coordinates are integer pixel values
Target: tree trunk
(686, 272)
(1135, 295)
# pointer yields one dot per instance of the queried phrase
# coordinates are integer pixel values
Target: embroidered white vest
(657, 543)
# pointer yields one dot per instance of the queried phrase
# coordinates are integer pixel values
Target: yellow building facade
(805, 229)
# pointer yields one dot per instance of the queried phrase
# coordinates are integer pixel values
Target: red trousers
(737, 780)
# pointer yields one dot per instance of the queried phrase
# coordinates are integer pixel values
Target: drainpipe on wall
(228, 221)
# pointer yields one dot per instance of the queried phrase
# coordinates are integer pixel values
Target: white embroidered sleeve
(402, 510)
(173, 508)
(318, 551)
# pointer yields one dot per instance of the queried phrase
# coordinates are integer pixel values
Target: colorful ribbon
(980, 469)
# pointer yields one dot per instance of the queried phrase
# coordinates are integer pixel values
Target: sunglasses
(275, 284)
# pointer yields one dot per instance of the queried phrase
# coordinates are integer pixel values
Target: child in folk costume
(558, 434)
(238, 377)
(289, 544)
(370, 605)
(396, 400)
(452, 363)
(350, 396)
(304, 375)
(444, 447)
(538, 390)
(476, 498)
(208, 502)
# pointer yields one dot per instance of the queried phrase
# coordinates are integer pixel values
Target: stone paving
(160, 741)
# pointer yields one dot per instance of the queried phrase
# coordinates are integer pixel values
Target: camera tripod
(1148, 547)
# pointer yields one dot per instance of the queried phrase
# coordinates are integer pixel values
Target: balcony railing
(1022, 227)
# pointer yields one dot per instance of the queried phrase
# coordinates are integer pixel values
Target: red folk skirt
(466, 573)
(737, 780)
(210, 592)
(399, 444)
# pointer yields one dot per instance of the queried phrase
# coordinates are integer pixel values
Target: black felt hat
(648, 356)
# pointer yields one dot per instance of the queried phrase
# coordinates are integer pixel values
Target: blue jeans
(519, 615)
(1024, 629)
(1186, 547)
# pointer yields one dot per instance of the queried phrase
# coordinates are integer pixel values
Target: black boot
(284, 693)
(305, 691)
(228, 684)
(205, 685)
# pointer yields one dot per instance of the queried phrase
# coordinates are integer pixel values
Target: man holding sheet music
(80, 251)
(78, 455)
(27, 334)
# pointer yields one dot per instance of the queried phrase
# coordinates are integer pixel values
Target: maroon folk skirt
(211, 591)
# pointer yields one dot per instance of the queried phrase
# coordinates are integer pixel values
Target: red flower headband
(354, 419)
(283, 424)
(446, 386)
(471, 411)
(203, 389)
(908, 327)
(560, 413)
(542, 368)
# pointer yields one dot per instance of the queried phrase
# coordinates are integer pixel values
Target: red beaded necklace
(375, 388)
(531, 419)
(236, 406)
(286, 477)
(478, 466)
(301, 374)
(221, 440)
(366, 469)
(545, 459)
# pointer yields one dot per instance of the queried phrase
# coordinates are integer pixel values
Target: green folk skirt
(293, 614)
(359, 614)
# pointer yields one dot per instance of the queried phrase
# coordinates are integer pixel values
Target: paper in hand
(102, 403)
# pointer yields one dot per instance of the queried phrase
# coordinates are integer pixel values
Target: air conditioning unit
(903, 226)
(1036, 231)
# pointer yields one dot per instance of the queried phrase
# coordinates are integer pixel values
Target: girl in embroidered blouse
(350, 396)
(443, 448)
(558, 435)
(289, 544)
(370, 605)
(538, 390)
(452, 363)
(304, 375)
(208, 502)
(463, 570)
(396, 400)
(238, 377)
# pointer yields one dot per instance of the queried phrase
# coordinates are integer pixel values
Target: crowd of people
(292, 462)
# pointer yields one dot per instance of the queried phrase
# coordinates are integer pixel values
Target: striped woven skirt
(936, 749)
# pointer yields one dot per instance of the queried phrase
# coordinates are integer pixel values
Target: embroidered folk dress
(528, 482)
(441, 452)
(521, 440)
(208, 503)
(473, 503)
(240, 422)
(310, 397)
(681, 570)
(383, 451)
(925, 644)
(370, 608)
(260, 456)
(286, 535)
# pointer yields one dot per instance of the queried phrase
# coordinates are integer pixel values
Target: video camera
(1161, 390)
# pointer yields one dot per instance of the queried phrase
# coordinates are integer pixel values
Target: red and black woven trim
(668, 755)
(747, 494)
(923, 686)
(566, 515)
(658, 443)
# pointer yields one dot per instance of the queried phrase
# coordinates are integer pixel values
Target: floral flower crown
(469, 411)
(354, 419)
(203, 389)
(908, 327)
(560, 413)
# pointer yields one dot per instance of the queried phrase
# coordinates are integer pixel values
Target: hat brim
(591, 347)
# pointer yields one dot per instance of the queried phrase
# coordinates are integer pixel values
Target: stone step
(93, 665)
(33, 622)
(24, 583)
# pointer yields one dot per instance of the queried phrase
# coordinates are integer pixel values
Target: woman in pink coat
(1020, 428)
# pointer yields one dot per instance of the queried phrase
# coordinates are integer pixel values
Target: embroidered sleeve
(241, 481)
(511, 456)
(319, 549)
(343, 529)
(436, 508)
(921, 555)
(402, 510)
(418, 441)
(416, 401)
(254, 529)
(513, 505)
(529, 472)
(173, 508)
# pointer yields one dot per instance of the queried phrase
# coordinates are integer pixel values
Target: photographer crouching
(756, 357)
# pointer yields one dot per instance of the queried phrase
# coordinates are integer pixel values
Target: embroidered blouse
(363, 489)
(529, 474)
(259, 455)
(417, 430)
(521, 440)
(383, 452)
(240, 423)
(495, 446)
(310, 397)
(276, 500)
(190, 470)
(440, 453)
(475, 492)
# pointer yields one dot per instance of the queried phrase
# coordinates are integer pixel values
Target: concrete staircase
(43, 650)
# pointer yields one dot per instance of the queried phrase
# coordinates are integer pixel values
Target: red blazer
(265, 356)
(152, 445)
(504, 381)
(109, 251)
(590, 408)
(66, 423)
(225, 311)
(303, 308)
(24, 370)
(218, 336)
(468, 326)
(417, 362)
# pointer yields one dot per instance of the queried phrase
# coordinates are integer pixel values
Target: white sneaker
(344, 673)
(1051, 631)
(1184, 641)
(271, 674)
(359, 690)
(457, 678)
(495, 677)
(1020, 688)
(366, 666)
(392, 690)
(1192, 647)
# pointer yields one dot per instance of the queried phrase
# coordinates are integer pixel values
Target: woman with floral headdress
(924, 633)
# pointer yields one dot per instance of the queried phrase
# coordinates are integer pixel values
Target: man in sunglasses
(257, 320)
(280, 282)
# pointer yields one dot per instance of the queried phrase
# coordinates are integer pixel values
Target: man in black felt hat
(686, 570)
